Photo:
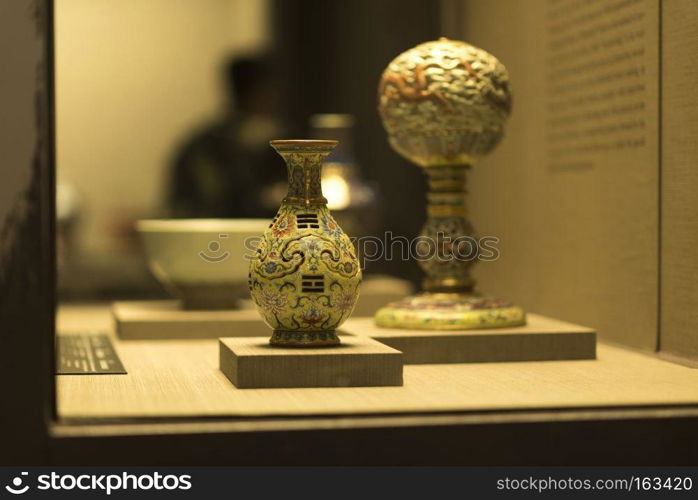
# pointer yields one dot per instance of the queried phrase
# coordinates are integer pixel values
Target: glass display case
(145, 261)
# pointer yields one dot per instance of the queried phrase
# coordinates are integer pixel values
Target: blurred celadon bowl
(204, 262)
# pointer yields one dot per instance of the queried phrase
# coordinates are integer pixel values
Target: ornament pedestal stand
(444, 105)
(451, 247)
(540, 339)
(357, 362)
(165, 319)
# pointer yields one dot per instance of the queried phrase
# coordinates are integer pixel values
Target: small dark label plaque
(86, 354)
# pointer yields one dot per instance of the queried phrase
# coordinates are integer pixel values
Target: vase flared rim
(303, 144)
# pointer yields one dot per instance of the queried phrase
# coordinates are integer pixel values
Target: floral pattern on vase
(305, 276)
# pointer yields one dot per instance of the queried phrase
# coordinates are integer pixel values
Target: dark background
(332, 55)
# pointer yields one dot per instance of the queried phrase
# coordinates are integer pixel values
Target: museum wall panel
(572, 191)
(679, 182)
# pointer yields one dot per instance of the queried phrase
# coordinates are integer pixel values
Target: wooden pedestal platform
(541, 339)
(164, 319)
(357, 361)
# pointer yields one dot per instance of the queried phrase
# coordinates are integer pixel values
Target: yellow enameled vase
(305, 276)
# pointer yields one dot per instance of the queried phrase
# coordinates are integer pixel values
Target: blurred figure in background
(228, 169)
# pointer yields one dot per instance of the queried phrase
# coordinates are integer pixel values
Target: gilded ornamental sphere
(444, 102)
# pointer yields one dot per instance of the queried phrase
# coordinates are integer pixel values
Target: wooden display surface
(181, 378)
(541, 339)
(357, 361)
(164, 319)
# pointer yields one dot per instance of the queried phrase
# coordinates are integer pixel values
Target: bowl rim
(203, 225)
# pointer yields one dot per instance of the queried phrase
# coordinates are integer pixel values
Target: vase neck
(304, 163)
(304, 179)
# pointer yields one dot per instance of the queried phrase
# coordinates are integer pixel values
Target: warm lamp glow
(336, 190)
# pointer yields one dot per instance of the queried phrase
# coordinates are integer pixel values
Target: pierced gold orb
(444, 102)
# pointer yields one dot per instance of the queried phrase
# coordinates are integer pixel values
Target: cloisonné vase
(305, 276)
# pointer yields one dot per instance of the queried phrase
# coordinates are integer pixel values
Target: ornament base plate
(540, 339)
(166, 319)
(357, 361)
(449, 311)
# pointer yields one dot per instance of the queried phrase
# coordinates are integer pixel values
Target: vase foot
(295, 338)
(449, 311)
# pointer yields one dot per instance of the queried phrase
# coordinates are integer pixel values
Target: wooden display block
(357, 361)
(541, 339)
(164, 319)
